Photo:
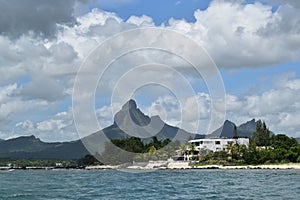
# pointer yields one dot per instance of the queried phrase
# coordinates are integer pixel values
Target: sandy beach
(271, 166)
(186, 165)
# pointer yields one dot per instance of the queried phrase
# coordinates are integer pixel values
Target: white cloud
(42, 88)
(27, 127)
(105, 114)
(240, 35)
(142, 20)
(59, 127)
(183, 114)
(39, 17)
(279, 107)
(10, 106)
(295, 3)
(236, 35)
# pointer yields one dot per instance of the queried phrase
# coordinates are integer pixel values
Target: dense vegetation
(23, 163)
(55, 163)
(136, 150)
(263, 148)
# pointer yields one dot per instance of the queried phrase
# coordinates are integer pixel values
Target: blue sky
(160, 11)
(255, 45)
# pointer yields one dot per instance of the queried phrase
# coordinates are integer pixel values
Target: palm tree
(182, 148)
(230, 148)
(152, 152)
(236, 151)
(192, 148)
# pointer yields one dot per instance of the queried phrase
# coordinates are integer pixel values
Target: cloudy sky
(254, 44)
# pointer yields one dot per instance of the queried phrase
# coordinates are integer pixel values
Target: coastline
(264, 166)
(186, 165)
(170, 166)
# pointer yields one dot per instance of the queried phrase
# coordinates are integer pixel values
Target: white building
(217, 144)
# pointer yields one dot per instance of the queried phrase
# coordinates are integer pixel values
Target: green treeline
(131, 149)
(22, 163)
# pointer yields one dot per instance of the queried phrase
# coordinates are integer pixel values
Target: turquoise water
(165, 184)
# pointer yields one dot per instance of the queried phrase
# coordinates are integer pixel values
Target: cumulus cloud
(12, 107)
(105, 114)
(59, 127)
(279, 107)
(42, 88)
(235, 34)
(295, 3)
(37, 16)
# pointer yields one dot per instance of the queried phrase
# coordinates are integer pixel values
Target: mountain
(133, 121)
(128, 120)
(227, 130)
(298, 140)
(32, 147)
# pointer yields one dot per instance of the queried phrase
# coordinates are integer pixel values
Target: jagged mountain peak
(131, 104)
(248, 125)
(131, 113)
(228, 123)
(227, 130)
(131, 121)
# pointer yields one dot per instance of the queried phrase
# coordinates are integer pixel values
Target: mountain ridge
(130, 119)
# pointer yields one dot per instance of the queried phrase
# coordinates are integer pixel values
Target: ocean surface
(161, 184)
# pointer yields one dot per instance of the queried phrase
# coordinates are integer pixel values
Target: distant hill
(32, 147)
(298, 140)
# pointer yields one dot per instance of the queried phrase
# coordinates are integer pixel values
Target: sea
(159, 184)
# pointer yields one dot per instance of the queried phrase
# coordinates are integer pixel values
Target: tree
(236, 151)
(261, 136)
(192, 148)
(152, 150)
(250, 155)
(87, 160)
(235, 133)
(283, 141)
(293, 153)
(183, 149)
(229, 149)
(152, 153)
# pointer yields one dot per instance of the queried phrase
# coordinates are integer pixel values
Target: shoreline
(186, 165)
(170, 166)
(295, 166)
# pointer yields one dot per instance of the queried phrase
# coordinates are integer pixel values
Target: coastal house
(217, 144)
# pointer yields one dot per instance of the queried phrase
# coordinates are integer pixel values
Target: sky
(255, 46)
